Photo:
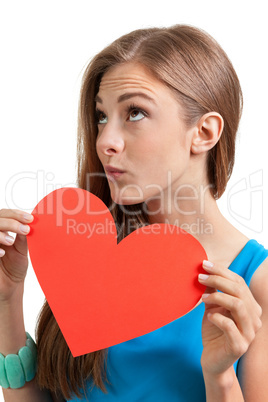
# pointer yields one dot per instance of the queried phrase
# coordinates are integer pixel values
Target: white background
(45, 46)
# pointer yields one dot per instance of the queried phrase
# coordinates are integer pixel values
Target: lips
(112, 169)
(113, 172)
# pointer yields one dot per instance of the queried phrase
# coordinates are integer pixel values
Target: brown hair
(193, 65)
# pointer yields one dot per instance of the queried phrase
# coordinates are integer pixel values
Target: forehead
(130, 76)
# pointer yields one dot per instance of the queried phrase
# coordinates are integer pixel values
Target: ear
(207, 132)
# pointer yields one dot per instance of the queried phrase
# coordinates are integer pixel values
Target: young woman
(159, 111)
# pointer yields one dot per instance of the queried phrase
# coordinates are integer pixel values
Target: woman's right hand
(14, 254)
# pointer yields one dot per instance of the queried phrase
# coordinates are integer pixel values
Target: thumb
(20, 244)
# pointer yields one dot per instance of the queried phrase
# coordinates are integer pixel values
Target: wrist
(12, 330)
(17, 369)
(14, 297)
(223, 382)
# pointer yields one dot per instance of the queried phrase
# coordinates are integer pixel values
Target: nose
(110, 141)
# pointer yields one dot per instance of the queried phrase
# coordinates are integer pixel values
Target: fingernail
(205, 295)
(24, 228)
(2, 252)
(208, 264)
(28, 217)
(9, 239)
(203, 277)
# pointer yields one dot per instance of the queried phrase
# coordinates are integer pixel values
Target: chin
(126, 200)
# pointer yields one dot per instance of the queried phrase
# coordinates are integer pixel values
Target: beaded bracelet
(15, 370)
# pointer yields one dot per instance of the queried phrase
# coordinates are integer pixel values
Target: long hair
(193, 65)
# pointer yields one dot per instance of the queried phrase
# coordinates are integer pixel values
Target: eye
(136, 115)
(101, 118)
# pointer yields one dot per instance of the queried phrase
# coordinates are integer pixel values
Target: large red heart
(101, 293)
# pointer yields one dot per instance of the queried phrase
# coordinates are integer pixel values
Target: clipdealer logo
(245, 198)
(245, 201)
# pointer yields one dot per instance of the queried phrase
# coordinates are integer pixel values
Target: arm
(230, 329)
(13, 268)
(12, 338)
(252, 369)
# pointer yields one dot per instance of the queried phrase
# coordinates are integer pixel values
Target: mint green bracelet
(15, 370)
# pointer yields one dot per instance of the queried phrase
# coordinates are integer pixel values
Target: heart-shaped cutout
(101, 293)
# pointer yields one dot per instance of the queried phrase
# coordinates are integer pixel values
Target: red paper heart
(101, 293)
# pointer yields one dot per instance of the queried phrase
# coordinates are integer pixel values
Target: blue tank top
(164, 365)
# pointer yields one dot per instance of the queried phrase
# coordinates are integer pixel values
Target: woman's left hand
(231, 319)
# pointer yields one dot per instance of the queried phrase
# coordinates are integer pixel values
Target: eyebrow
(127, 96)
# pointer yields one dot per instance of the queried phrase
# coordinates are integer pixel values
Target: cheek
(164, 151)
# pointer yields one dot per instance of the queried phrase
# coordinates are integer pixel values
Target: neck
(193, 208)
(191, 205)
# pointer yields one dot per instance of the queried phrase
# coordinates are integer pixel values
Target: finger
(219, 283)
(19, 243)
(16, 214)
(12, 225)
(6, 239)
(230, 284)
(226, 273)
(232, 304)
(236, 344)
(221, 270)
(247, 322)
(3, 242)
(238, 288)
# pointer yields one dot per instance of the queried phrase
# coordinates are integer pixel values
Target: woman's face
(141, 132)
